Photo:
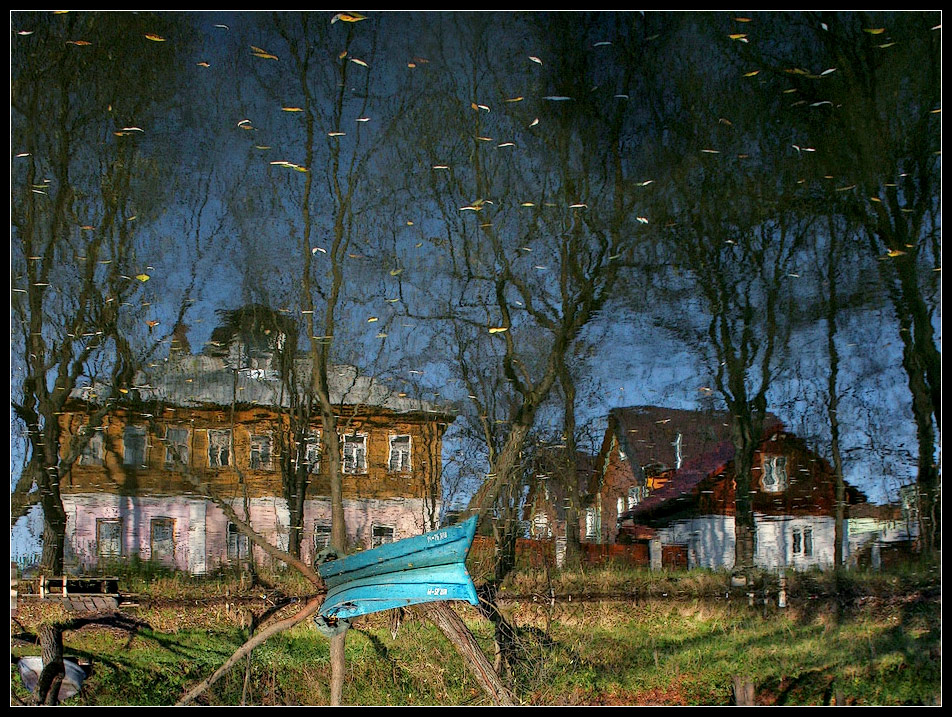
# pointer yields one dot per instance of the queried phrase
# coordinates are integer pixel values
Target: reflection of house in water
(666, 480)
(225, 419)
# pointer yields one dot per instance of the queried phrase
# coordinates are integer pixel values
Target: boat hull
(424, 568)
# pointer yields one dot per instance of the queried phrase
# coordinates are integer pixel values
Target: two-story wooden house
(232, 424)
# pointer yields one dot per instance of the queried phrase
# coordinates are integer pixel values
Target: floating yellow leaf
(336, 134)
(742, 19)
(152, 324)
(894, 253)
(78, 42)
(265, 55)
(515, 99)
(372, 319)
(752, 73)
(359, 62)
(203, 64)
(497, 329)
(155, 38)
(535, 59)
(737, 36)
(874, 30)
(292, 109)
(347, 17)
(143, 277)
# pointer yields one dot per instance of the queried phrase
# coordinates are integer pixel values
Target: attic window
(774, 478)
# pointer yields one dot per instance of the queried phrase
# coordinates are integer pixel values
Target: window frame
(135, 431)
(100, 523)
(218, 432)
(381, 526)
(406, 464)
(325, 532)
(268, 443)
(93, 453)
(312, 446)
(774, 466)
(237, 544)
(360, 458)
(170, 522)
(170, 446)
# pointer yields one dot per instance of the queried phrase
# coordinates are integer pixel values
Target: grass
(674, 638)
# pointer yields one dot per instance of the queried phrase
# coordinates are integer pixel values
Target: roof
(241, 364)
(682, 484)
(655, 435)
(195, 381)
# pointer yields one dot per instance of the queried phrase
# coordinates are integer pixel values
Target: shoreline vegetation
(601, 636)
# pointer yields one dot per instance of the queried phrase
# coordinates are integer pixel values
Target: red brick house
(688, 515)
(664, 480)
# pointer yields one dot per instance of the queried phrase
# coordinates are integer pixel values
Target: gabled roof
(681, 486)
(654, 434)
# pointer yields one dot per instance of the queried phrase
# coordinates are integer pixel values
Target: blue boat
(424, 568)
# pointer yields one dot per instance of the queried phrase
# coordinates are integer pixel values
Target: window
(237, 543)
(133, 446)
(312, 452)
(176, 447)
(808, 542)
(381, 534)
(798, 541)
(355, 453)
(92, 451)
(540, 526)
(399, 454)
(219, 448)
(634, 496)
(322, 536)
(774, 479)
(260, 452)
(109, 537)
(591, 524)
(162, 540)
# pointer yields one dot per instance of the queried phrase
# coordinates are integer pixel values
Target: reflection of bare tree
(86, 185)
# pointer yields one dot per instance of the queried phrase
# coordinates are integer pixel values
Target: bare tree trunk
(338, 668)
(450, 624)
(47, 687)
